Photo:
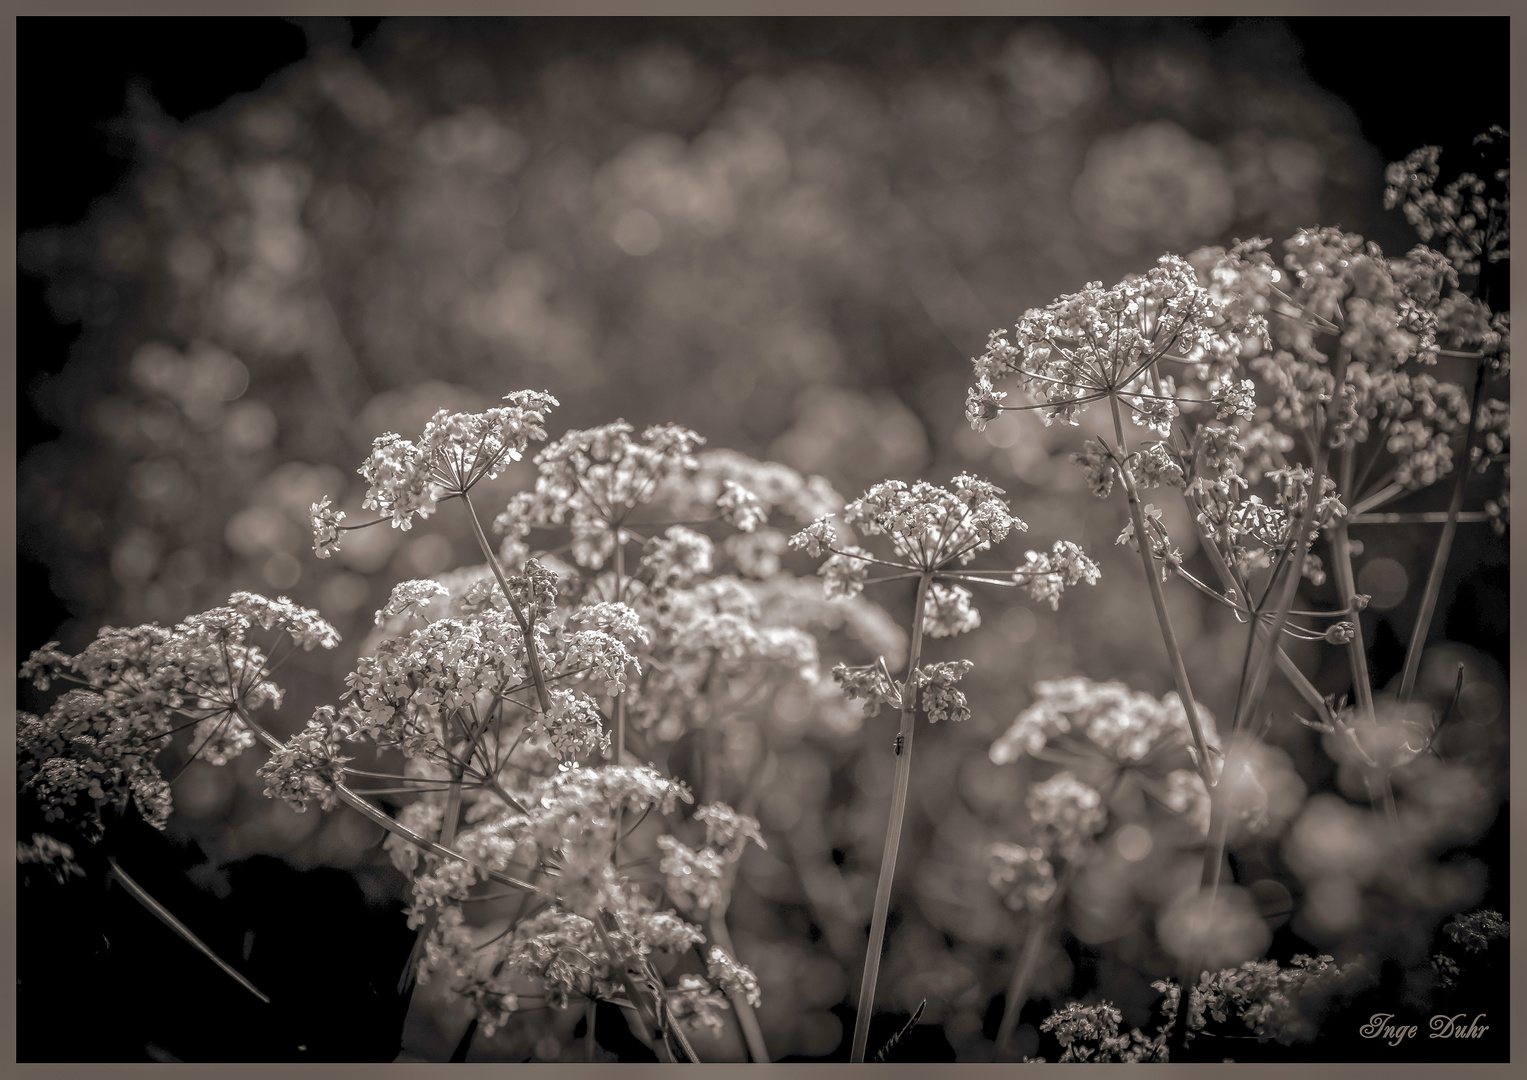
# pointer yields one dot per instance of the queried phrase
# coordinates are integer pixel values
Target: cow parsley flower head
(929, 526)
(736, 979)
(96, 746)
(1067, 812)
(326, 528)
(575, 727)
(406, 479)
(410, 597)
(590, 479)
(1108, 718)
(1022, 876)
(696, 878)
(939, 698)
(727, 830)
(1099, 342)
(696, 1005)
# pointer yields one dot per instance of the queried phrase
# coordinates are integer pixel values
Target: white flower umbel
(933, 533)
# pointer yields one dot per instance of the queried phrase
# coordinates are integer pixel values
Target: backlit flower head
(590, 479)
(1098, 341)
(456, 450)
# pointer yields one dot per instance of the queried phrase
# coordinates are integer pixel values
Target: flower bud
(1341, 633)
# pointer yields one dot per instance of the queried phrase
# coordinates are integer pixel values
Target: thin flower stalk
(1158, 601)
(1034, 941)
(905, 734)
(1346, 588)
(1230, 580)
(350, 798)
(1301, 536)
(447, 837)
(747, 1019)
(1444, 546)
(531, 652)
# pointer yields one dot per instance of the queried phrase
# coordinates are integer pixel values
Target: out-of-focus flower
(1276, 1003)
(1122, 725)
(1476, 930)
(734, 978)
(1022, 876)
(52, 853)
(1153, 186)
(1215, 929)
(1067, 813)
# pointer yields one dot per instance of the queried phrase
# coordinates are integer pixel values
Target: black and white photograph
(763, 538)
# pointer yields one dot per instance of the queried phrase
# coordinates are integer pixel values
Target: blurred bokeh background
(250, 246)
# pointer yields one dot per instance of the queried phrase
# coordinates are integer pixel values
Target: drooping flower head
(96, 747)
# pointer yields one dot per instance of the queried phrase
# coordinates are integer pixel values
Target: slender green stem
(1158, 599)
(893, 830)
(590, 1014)
(1444, 545)
(752, 1033)
(532, 654)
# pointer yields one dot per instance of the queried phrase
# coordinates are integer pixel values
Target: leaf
(908, 1026)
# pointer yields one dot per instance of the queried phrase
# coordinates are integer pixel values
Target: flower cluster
(1100, 342)
(939, 698)
(310, 763)
(454, 452)
(1477, 929)
(712, 643)
(1021, 874)
(1275, 1003)
(934, 531)
(736, 979)
(1471, 218)
(1066, 813)
(702, 879)
(575, 726)
(1091, 1033)
(590, 480)
(696, 1005)
(137, 687)
(1121, 725)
